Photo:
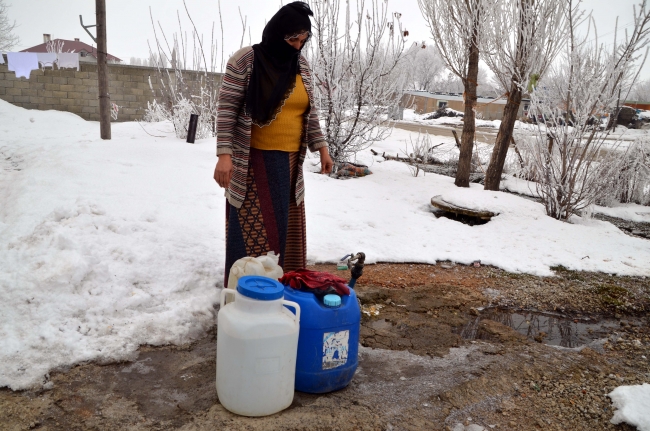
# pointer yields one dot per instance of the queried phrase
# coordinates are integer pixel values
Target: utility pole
(102, 68)
(102, 72)
(618, 103)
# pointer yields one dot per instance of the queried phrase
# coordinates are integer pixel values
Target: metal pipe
(357, 269)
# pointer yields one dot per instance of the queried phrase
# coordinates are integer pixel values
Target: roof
(456, 96)
(72, 46)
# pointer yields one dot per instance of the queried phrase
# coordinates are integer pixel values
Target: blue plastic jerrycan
(328, 342)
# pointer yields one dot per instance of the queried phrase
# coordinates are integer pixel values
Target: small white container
(257, 344)
(266, 265)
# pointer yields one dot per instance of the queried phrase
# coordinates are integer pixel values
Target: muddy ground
(416, 369)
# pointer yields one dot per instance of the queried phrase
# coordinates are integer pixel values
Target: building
(87, 53)
(637, 104)
(487, 108)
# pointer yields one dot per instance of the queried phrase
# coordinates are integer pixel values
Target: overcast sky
(129, 25)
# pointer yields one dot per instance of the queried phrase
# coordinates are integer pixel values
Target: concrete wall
(494, 111)
(76, 91)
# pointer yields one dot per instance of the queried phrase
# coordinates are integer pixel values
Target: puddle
(548, 328)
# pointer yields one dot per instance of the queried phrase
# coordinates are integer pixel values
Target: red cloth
(306, 278)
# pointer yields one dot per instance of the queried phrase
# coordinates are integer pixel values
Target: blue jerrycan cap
(259, 287)
(332, 300)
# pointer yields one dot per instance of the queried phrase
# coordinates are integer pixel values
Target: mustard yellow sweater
(285, 131)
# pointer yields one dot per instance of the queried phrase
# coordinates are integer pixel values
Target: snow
(517, 185)
(107, 245)
(632, 404)
(631, 212)
(104, 245)
(387, 215)
(631, 132)
(620, 139)
(411, 117)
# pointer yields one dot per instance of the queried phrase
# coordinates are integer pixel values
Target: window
(442, 104)
(83, 53)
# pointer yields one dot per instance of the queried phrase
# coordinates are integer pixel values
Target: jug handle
(224, 292)
(295, 306)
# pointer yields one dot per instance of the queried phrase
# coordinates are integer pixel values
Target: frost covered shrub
(630, 182)
(570, 174)
(176, 103)
(618, 176)
(181, 112)
(188, 86)
(520, 162)
(354, 59)
(155, 113)
(421, 153)
(576, 163)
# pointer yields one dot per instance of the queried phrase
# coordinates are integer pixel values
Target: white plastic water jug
(262, 265)
(257, 344)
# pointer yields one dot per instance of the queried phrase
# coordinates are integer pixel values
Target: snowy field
(412, 117)
(622, 133)
(107, 245)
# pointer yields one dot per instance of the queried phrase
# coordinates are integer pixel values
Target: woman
(266, 120)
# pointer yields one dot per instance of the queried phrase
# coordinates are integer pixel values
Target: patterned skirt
(269, 219)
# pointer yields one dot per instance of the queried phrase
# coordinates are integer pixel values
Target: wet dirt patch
(415, 371)
(568, 292)
(163, 389)
(419, 320)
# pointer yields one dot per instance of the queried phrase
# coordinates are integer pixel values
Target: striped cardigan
(234, 125)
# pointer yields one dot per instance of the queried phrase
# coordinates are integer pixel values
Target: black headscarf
(275, 63)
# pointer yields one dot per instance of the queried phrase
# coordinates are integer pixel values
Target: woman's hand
(223, 170)
(325, 161)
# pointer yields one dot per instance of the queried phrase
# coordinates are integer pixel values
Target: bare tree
(7, 38)
(422, 67)
(457, 29)
(353, 61)
(523, 39)
(641, 91)
(191, 84)
(577, 163)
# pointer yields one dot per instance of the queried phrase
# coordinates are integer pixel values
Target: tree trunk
(469, 120)
(498, 159)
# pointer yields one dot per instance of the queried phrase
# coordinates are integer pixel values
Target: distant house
(487, 108)
(86, 52)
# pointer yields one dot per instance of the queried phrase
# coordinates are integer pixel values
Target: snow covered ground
(103, 245)
(632, 404)
(620, 139)
(411, 116)
(631, 212)
(106, 245)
